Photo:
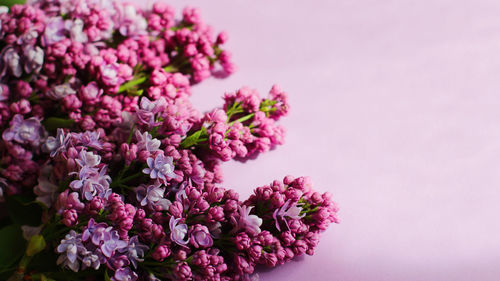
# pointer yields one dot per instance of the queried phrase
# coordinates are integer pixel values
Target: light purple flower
(146, 142)
(92, 226)
(91, 260)
(287, 210)
(92, 183)
(247, 222)
(88, 138)
(11, 60)
(70, 248)
(152, 196)
(111, 243)
(135, 250)
(129, 21)
(125, 274)
(54, 31)
(60, 91)
(76, 30)
(57, 144)
(33, 59)
(4, 92)
(88, 159)
(178, 231)
(24, 131)
(148, 110)
(46, 192)
(104, 237)
(160, 168)
(200, 236)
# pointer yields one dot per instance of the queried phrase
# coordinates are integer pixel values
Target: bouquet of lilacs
(106, 169)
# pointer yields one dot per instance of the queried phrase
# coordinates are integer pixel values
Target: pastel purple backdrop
(395, 111)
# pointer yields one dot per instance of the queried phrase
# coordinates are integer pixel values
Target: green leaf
(23, 210)
(10, 3)
(52, 123)
(106, 276)
(35, 245)
(12, 244)
(192, 139)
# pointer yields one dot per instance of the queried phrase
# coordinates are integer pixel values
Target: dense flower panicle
(98, 128)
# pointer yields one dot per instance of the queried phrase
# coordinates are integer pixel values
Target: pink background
(395, 111)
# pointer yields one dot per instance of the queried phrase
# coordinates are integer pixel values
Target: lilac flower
(54, 31)
(46, 192)
(90, 259)
(148, 109)
(178, 231)
(135, 250)
(287, 210)
(60, 91)
(92, 183)
(92, 226)
(111, 243)
(152, 196)
(76, 30)
(200, 236)
(88, 138)
(247, 222)
(70, 248)
(160, 167)
(4, 92)
(88, 159)
(11, 60)
(57, 144)
(24, 131)
(125, 274)
(3, 186)
(109, 74)
(33, 59)
(146, 142)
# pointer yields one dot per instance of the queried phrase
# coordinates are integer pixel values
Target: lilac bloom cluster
(98, 128)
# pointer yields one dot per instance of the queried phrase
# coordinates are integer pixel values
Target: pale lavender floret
(178, 231)
(24, 131)
(125, 274)
(287, 210)
(129, 21)
(91, 260)
(54, 31)
(70, 248)
(33, 59)
(112, 243)
(4, 92)
(146, 142)
(250, 223)
(160, 167)
(88, 138)
(92, 183)
(148, 110)
(11, 60)
(104, 237)
(135, 250)
(60, 91)
(200, 236)
(92, 226)
(76, 32)
(88, 159)
(152, 196)
(57, 144)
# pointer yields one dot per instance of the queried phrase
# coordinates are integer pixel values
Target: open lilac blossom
(145, 141)
(247, 222)
(111, 242)
(33, 57)
(3, 187)
(125, 274)
(178, 232)
(135, 250)
(146, 114)
(152, 195)
(24, 131)
(200, 236)
(88, 159)
(92, 183)
(12, 62)
(54, 31)
(88, 138)
(91, 227)
(70, 248)
(131, 22)
(57, 144)
(46, 192)
(90, 260)
(160, 167)
(288, 209)
(60, 91)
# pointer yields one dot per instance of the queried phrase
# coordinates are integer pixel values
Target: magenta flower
(152, 196)
(178, 231)
(57, 144)
(200, 236)
(125, 274)
(54, 31)
(160, 168)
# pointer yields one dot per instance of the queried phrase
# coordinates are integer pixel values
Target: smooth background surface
(396, 111)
